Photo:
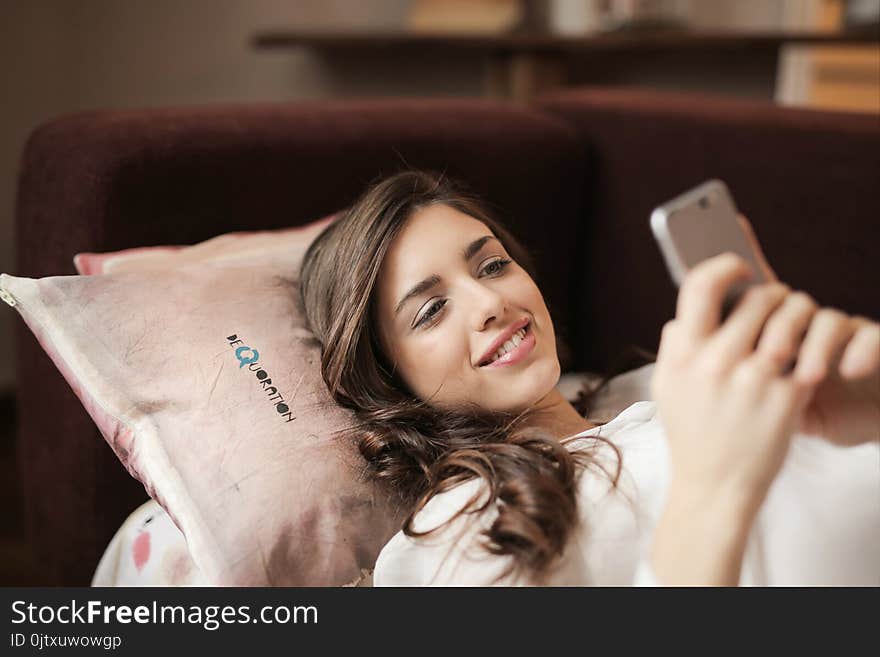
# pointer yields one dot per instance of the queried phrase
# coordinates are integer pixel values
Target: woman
(434, 333)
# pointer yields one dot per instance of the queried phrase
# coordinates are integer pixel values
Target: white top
(820, 523)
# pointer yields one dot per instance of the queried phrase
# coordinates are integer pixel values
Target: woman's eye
(494, 267)
(501, 264)
(431, 312)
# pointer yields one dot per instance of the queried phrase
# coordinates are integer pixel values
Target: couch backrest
(807, 180)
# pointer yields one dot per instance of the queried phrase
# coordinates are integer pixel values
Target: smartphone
(699, 224)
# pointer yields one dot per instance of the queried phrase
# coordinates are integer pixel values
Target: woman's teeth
(509, 345)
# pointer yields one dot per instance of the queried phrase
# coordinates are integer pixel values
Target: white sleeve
(645, 575)
(451, 556)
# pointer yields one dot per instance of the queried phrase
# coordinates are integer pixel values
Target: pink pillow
(196, 365)
(239, 247)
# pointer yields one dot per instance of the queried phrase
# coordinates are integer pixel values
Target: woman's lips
(520, 353)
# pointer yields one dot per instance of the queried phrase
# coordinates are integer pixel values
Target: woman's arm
(729, 407)
(700, 539)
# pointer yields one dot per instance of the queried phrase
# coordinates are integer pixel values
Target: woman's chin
(536, 383)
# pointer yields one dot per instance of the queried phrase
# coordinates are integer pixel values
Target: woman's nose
(488, 305)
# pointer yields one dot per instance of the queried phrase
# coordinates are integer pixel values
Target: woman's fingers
(702, 293)
(771, 323)
(766, 269)
(862, 355)
(826, 338)
(736, 339)
(782, 336)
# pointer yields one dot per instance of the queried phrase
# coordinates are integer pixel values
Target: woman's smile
(519, 353)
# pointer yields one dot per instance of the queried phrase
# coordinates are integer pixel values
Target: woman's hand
(728, 409)
(840, 352)
(730, 403)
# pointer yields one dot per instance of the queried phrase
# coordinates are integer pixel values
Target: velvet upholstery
(575, 176)
(807, 180)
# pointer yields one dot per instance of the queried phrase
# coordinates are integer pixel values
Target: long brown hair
(417, 450)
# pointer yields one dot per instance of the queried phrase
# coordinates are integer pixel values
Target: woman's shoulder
(452, 554)
(442, 507)
(634, 433)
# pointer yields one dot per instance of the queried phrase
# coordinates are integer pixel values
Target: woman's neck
(558, 416)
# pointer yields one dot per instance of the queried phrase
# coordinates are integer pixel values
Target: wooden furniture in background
(465, 16)
(520, 66)
(833, 77)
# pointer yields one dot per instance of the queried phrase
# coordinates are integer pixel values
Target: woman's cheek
(432, 360)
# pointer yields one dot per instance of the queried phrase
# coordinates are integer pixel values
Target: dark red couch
(575, 175)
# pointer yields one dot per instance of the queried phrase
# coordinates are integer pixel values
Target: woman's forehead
(442, 222)
(432, 238)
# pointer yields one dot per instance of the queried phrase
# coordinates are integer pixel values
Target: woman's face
(437, 337)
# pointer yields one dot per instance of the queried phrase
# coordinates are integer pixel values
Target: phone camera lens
(704, 202)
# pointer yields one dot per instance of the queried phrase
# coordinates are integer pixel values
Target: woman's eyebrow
(431, 281)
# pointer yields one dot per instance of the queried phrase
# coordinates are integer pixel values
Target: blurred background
(62, 56)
